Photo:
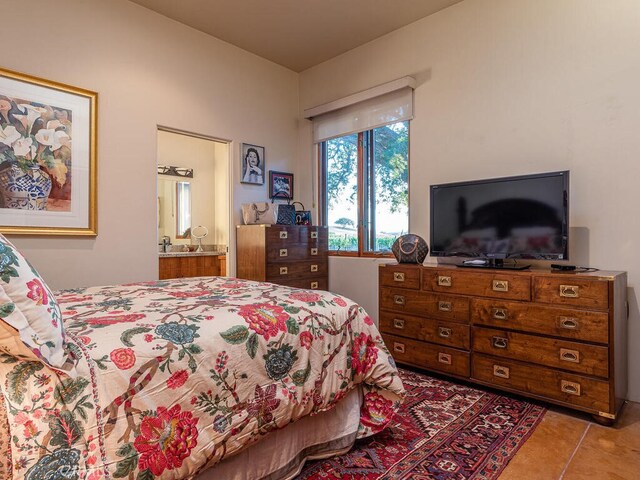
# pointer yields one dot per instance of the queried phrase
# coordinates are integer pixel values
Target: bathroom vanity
(192, 264)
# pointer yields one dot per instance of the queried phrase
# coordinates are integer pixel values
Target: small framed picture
(280, 184)
(253, 163)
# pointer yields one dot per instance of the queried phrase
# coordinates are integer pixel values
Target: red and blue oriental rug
(444, 431)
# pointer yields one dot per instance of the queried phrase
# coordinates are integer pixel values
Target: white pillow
(28, 306)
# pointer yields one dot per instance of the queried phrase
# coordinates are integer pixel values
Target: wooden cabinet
(292, 255)
(422, 327)
(558, 337)
(180, 266)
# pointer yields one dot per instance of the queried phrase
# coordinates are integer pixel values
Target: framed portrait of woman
(253, 164)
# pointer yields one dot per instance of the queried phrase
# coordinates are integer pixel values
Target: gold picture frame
(48, 157)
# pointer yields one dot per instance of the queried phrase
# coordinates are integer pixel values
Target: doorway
(193, 203)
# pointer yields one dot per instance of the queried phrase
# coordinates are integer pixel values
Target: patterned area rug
(444, 431)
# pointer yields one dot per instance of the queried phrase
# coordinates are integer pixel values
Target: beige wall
(148, 71)
(220, 233)
(514, 87)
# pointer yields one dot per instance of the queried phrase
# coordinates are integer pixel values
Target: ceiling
(297, 34)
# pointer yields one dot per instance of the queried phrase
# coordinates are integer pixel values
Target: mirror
(183, 209)
(199, 233)
(174, 208)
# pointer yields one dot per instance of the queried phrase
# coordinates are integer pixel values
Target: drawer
(311, 235)
(570, 290)
(483, 284)
(280, 270)
(588, 393)
(282, 235)
(444, 307)
(427, 355)
(584, 325)
(430, 330)
(294, 252)
(311, 283)
(400, 276)
(563, 354)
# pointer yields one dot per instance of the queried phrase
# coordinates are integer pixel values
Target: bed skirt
(282, 453)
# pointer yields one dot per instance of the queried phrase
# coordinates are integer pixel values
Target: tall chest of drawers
(558, 337)
(292, 255)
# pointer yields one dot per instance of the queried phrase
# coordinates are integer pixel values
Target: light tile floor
(569, 446)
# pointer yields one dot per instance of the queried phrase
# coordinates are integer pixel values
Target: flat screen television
(513, 217)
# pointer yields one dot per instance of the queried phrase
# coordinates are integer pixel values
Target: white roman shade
(389, 103)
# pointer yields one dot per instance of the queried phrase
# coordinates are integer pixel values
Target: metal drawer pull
(569, 323)
(314, 284)
(398, 277)
(284, 270)
(314, 251)
(572, 388)
(398, 347)
(283, 252)
(500, 313)
(284, 234)
(569, 291)
(570, 355)
(500, 371)
(444, 332)
(398, 299)
(444, 358)
(314, 268)
(314, 234)
(398, 323)
(499, 342)
(444, 281)
(500, 285)
(444, 306)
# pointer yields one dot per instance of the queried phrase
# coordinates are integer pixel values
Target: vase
(24, 188)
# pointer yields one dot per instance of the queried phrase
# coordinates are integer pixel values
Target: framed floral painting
(47, 157)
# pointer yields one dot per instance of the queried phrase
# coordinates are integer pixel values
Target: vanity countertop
(190, 254)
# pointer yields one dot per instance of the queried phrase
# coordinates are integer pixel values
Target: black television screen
(512, 217)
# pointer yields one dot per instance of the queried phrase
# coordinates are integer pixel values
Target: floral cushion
(28, 306)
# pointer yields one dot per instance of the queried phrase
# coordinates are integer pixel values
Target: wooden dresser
(292, 255)
(180, 266)
(558, 337)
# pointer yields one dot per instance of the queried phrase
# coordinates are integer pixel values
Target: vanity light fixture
(175, 171)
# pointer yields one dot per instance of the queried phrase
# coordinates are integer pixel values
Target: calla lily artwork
(47, 157)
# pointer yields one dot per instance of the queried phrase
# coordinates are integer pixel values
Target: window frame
(365, 141)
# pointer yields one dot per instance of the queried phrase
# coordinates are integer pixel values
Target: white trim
(193, 134)
(373, 92)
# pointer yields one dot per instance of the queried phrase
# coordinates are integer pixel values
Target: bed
(170, 379)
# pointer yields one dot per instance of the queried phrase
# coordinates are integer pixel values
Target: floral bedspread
(173, 376)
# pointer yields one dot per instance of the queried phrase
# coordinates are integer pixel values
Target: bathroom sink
(189, 254)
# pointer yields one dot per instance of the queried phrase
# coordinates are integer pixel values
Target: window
(365, 189)
(183, 207)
